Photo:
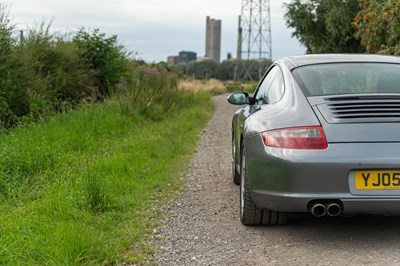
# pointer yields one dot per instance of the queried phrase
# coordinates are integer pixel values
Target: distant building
(172, 60)
(184, 57)
(213, 39)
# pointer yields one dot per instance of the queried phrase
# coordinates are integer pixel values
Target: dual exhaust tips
(331, 209)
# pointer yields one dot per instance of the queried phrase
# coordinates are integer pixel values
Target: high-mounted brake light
(306, 138)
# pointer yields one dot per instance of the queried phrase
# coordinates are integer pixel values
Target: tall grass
(194, 85)
(79, 189)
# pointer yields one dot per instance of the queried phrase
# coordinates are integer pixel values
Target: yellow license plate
(377, 180)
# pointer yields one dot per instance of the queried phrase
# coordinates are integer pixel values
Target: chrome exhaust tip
(318, 210)
(333, 209)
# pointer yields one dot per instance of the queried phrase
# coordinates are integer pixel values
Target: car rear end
(357, 106)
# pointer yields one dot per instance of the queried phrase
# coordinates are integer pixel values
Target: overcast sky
(154, 29)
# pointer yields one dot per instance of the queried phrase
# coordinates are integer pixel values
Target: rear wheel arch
(239, 152)
(236, 159)
(250, 214)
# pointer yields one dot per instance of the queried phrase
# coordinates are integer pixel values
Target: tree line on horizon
(226, 70)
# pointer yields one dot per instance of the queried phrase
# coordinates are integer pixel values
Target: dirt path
(205, 228)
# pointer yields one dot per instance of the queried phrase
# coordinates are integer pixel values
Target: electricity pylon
(254, 46)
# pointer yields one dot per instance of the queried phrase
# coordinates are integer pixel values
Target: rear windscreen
(348, 78)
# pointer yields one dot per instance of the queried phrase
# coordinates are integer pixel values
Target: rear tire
(250, 214)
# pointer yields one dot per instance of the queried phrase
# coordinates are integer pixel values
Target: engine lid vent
(361, 109)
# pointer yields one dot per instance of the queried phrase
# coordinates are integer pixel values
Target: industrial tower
(213, 39)
(254, 47)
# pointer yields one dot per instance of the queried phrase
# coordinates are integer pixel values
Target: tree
(324, 26)
(378, 26)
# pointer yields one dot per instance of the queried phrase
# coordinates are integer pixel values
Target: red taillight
(307, 138)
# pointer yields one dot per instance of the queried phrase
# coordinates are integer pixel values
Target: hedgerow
(44, 73)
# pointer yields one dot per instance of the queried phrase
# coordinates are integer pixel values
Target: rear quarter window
(271, 89)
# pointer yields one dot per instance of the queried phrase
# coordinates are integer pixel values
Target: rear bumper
(298, 203)
(288, 180)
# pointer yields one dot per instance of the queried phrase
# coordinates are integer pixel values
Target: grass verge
(81, 189)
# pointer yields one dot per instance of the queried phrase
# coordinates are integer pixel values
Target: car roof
(311, 59)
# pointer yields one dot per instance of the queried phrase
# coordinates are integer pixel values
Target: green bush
(42, 73)
(57, 71)
(103, 56)
(13, 102)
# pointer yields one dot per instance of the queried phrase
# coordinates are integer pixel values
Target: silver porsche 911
(321, 134)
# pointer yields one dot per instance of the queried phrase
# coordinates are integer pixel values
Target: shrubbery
(103, 56)
(378, 26)
(42, 73)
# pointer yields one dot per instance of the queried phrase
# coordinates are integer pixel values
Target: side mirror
(239, 98)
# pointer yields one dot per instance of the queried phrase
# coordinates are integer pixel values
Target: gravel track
(204, 228)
